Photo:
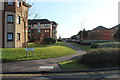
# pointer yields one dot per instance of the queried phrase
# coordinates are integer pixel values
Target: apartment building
(42, 28)
(1, 18)
(12, 25)
(102, 33)
(54, 29)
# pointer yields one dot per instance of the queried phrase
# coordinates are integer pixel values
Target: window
(38, 30)
(32, 31)
(29, 26)
(18, 36)
(10, 36)
(10, 3)
(46, 31)
(10, 18)
(18, 19)
(46, 25)
(38, 24)
(18, 4)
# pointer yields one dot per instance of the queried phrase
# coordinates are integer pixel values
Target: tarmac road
(101, 75)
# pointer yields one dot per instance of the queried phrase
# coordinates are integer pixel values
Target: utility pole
(82, 30)
(38, 31)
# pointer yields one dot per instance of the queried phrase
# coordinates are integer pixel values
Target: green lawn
(72, 65)
(41, 52)
(84, 47)
(33, 45)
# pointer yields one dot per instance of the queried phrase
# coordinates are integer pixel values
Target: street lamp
(38, 31)
(82, 30)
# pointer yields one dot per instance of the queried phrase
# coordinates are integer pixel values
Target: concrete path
(34, 65)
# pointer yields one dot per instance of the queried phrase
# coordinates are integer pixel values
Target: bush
(108, 45)
(59, 39)
(32, 40)
(85, 42)
(49, 40)
(89, 42)
(94, 45)
(103, 57)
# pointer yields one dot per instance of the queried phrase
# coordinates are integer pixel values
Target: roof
(100, 28)
(26, 4)
(53, 22)
(115, 26)
(41, 21)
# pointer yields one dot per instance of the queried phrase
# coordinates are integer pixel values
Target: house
(102, 33)
(12, 25)
(42, 28)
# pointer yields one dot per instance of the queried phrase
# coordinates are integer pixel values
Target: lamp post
(38, 31)
(82, 30)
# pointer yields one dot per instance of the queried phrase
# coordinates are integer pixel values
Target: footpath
(34, 65)
(30, 70)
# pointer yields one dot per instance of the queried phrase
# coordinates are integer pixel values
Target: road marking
(46, 67)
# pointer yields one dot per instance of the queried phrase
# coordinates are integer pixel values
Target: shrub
(94, 45)
(49, 40)
(108, 44)
(103, 57)
(32, 40)
(89, 42)
(85, 42)
(59, 39)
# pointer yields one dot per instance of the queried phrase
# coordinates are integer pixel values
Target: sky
(74, 15)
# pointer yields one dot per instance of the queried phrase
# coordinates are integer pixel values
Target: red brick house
(102, 33)
(42, 28)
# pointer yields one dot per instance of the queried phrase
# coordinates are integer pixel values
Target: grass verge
(72, 65)
(33, 45)
(41, 52)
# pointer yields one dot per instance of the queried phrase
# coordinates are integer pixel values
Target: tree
(117, 34)
(73, 37)
(83, 34)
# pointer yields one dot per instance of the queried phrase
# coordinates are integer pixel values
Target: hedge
(102, 57)
(89, 42)
(104, 45)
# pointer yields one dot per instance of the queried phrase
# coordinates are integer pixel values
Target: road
(101, 75)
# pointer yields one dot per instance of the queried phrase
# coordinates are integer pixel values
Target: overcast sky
(69, 14)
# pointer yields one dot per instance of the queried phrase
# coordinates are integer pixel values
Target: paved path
(33, 65)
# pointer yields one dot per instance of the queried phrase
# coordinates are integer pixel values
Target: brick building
(42, 28)
(102, 33)
(11, 23)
